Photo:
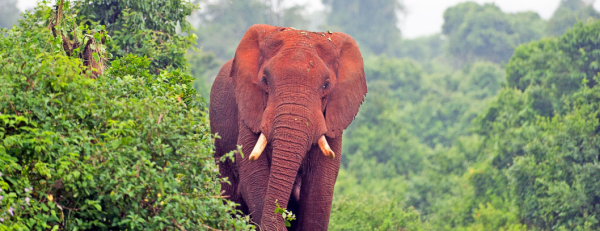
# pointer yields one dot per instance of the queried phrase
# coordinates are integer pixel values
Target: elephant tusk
(325, 147)
(259, 147)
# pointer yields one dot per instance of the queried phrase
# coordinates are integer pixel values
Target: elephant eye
(326, 85)
(264, 79)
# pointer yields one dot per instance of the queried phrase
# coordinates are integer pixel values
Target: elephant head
(295, 90)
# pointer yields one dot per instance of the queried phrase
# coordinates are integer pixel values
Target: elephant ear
(244, 73)
(351, 87)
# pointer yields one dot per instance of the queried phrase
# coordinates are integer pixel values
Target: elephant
(285, 98)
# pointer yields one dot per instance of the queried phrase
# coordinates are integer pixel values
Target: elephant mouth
(262, 143)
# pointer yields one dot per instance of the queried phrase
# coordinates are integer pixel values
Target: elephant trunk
(291, 139)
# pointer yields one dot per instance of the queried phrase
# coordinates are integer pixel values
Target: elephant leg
(223, 122)
(253, 175)
(316, 193)
(226, 143)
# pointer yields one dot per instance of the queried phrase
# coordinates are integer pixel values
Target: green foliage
(482, 80)
(487, 217)
(541, 134)
(557, 66)
(157, 30)
(485, 32)
(400, 77)
(423, 49)
(288, 216)
(371, 23)
(203, 67)
(549, 161)
(480, 148)
(224, 22)
(129, 150)
(568, 13)
(387, 79)
(436, 147)
(448, 102)
(413, 131)
(371, 205)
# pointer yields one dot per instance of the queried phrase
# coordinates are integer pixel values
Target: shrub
(128, 150)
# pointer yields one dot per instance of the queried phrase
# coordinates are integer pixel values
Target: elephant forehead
(298, 54)
(298, 64)
(319, 43)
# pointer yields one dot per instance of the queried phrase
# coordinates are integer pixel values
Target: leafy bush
(144, 28)
(371, 205)
(129, 150)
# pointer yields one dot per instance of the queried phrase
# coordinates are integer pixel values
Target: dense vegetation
(491, 125)
(117, 146)
(474, 145)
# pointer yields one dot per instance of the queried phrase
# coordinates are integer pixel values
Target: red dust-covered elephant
(286, 97)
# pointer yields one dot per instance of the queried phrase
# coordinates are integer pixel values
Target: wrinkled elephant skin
(286, 98)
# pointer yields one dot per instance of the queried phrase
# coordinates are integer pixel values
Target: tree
(224, 22)
(568, 13)
(373, 24)
(485, 32)
(542, 66)
(144, 28)
(422, 49)
(202, 67)
(484, 147)
(482, 80)
(542, 131)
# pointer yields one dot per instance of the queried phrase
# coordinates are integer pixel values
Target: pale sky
(424, 17)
